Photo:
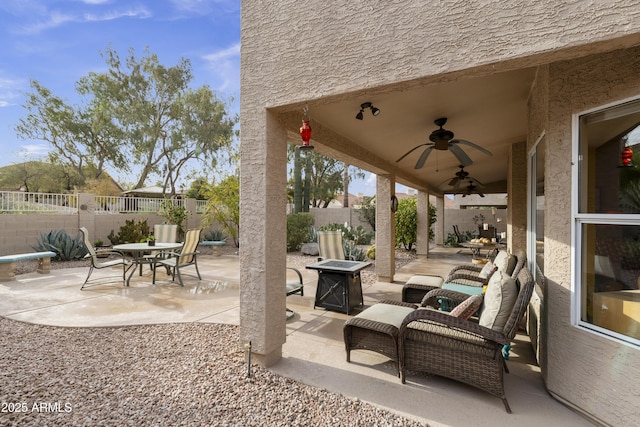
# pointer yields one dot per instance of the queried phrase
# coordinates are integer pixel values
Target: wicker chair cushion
(498, 301)
(487, 270)
(466, 308)
(505, 262)
(435, 281)
(386, 313)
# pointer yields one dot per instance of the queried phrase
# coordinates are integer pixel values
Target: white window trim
(578, 220)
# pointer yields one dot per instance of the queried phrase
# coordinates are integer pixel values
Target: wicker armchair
(436, 343)
(465, 276)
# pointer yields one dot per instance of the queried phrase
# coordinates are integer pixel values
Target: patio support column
(517, 197)
(263, 156)
(385, 228)
(439, 225)
(423, 225)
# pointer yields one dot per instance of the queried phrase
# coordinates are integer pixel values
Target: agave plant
(67, 248)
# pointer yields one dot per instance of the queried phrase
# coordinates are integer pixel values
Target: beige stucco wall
(594, 373)
(315, 49)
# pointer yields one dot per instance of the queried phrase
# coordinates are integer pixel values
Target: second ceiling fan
(442, 139)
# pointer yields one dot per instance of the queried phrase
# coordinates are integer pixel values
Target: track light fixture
(374, 111)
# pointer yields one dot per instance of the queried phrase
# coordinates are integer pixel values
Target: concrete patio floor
(314, 352)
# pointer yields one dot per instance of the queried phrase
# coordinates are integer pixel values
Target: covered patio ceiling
(488, 110)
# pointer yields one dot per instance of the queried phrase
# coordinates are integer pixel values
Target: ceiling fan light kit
(374, 111)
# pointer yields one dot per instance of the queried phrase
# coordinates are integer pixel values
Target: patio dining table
(138, 250)
(476, 247)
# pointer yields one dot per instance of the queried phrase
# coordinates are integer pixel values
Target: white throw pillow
(499, 300)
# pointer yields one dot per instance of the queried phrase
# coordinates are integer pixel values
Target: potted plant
(150, 240)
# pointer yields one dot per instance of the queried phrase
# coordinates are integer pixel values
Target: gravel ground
(167, 375)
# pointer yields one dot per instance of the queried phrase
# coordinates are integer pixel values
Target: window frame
(581, 219)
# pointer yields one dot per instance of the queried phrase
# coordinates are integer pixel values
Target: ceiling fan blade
(411, 151)
(460, 154)
(423, 157)
(471, 144)
(454, 181)
(476, 181)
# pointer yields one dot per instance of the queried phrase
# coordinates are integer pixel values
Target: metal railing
(116, 205)
(12, 202)
(201, 206)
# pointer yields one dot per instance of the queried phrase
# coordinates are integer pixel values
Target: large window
(608, 222)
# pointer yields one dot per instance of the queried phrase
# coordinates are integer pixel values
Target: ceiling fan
(472, 189)
(442, 139)
(461, 176)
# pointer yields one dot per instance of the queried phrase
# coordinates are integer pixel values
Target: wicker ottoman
(376, 329)
(417, 287)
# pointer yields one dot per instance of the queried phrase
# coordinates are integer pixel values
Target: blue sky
(58, 41)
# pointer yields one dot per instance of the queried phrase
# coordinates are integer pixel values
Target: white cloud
(9, 91)
(225, 66)
(33, 150)
(203, 7)
(56, 19)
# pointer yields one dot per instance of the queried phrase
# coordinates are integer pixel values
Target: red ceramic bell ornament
(626, 156)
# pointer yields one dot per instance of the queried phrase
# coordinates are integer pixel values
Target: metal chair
(330, 245)
(294, 286)
(95, 264)
(163, 233)
(175, 261)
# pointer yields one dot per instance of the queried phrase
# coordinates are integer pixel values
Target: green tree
(224, 206)
(367, 211)
(323, 178)
(138, 112)
(81, 136)
(407, 222)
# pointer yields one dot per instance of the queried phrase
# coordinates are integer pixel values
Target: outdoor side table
(339, 284)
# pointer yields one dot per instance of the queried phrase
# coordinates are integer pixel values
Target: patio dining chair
(96, 264)
(330, 245)
(175, 261)
(163, 233)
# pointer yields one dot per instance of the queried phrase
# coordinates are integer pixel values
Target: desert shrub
(352, 252)
(130, 232)
(357, 235)
(371, 252)
(215, 236)
(67, 248)
(298, 225)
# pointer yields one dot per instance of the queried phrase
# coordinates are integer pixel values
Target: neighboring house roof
(153, 191)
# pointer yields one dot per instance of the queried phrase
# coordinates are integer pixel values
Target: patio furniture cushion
(498, 301)
(417, 287)
(505, 262)
(468, 307)
(386, 313)
(487, 270)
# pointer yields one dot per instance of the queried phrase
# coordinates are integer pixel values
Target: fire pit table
(339, 285)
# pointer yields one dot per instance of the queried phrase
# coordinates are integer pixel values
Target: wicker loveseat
(433, 342)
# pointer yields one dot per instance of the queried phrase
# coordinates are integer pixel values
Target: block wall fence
(19, 233)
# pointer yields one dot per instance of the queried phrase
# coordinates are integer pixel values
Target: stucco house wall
(596, 374)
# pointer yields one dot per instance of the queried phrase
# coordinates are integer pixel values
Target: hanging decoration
(305, 131)
(626, 156)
